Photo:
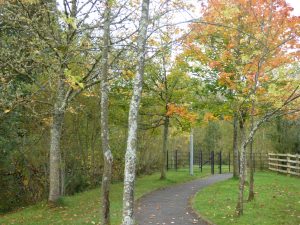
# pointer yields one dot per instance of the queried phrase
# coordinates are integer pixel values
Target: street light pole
(192, 153)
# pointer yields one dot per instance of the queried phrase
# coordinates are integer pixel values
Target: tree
(68, 61)
(107, 155)
(166, 102)
(212, 137)
(246, 43)
(130, 156)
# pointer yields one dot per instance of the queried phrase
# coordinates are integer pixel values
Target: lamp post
(192, 152)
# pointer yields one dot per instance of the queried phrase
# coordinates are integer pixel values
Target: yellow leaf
(25, 182)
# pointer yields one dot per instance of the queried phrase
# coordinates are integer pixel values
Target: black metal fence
(216, 160)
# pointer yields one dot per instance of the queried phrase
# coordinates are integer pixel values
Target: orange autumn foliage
(243, 39)
(209, 117)
(181, 111)
(227, 118)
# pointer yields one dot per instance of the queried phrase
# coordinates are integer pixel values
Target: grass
(84, 208)
(277, 201)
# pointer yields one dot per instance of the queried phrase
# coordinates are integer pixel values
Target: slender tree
(130, 156)
(107, 155)
(235, 146)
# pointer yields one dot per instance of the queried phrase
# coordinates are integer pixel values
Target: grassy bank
(277, 201)
(84, 208)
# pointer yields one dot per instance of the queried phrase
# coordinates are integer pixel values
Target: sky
(296, 5)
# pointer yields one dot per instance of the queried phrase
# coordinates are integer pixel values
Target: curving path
(171, 205)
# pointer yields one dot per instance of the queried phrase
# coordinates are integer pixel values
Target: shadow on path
(171, 205)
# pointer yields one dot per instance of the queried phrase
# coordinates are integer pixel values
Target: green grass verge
(84, 208)
(277, 201)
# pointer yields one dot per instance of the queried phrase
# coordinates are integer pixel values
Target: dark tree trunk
(164, 151)
(251, 167)
(251, 160)
(235, 147)
(242, 176)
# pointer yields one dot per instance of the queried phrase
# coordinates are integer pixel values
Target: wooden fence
(285, 163)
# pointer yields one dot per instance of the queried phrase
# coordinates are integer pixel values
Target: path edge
(195, 212)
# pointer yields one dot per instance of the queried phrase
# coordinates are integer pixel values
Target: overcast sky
(296, 5)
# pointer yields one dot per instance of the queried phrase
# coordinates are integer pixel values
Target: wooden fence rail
(285, 163)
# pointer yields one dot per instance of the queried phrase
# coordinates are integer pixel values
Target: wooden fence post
(298, 163)
(269, 161)
(288, 163)
(288, 158)
(284, 163)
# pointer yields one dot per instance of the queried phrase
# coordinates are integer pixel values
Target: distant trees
(285, 136)
(211, 141)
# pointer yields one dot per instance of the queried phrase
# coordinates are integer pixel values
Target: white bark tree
(107, 155)
(130, 156)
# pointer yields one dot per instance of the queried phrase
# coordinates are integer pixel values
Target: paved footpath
(171, 205)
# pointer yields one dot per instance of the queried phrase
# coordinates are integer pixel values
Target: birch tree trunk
(235, 147)
(55, 137)
(107, 155)
(164, 152)
(130, 156)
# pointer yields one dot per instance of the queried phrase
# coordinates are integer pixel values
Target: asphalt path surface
(171, 205)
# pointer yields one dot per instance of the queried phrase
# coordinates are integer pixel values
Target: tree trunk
(251, 160)
(239, 207)
(55, 138)
(130, 156)
(251, 166)
(56, 186)
(62, 176)
(107, 155)
(164, 151)
(235, 147)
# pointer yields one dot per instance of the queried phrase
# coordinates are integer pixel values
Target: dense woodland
(73, 73)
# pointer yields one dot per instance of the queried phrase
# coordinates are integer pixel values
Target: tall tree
(258, 34)
(107, 155)
(130, 156)
(58, 114)
(235, 147)
(69, 62)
